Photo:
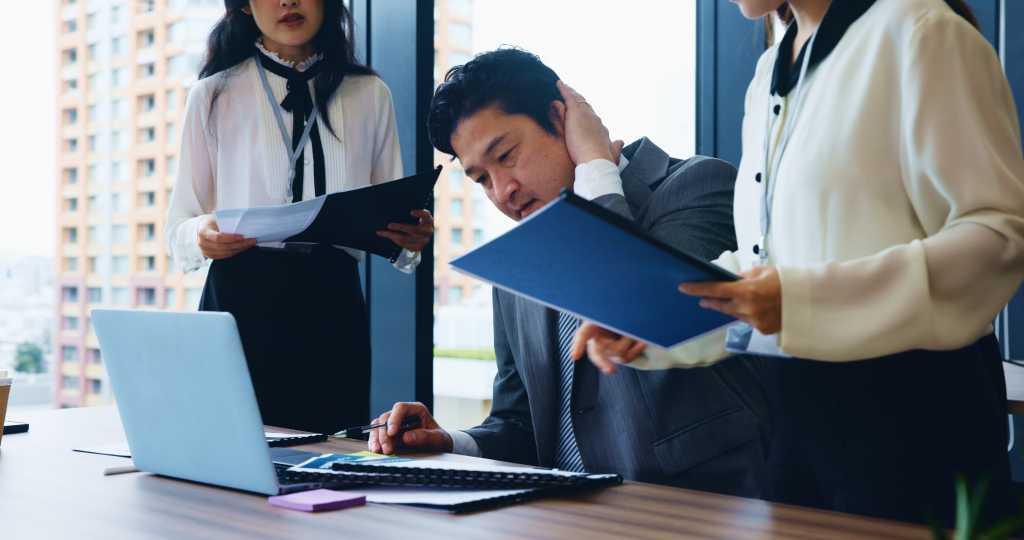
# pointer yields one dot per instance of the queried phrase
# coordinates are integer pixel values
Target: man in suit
(509, 121)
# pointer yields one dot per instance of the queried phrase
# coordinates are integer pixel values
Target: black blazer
(699, 428)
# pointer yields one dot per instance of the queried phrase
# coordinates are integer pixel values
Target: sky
(28, 138)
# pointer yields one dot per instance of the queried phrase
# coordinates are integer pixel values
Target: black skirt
(304, 328)
(887, 437)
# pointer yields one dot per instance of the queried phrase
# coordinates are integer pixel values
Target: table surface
(1014, 388)
(48, 491)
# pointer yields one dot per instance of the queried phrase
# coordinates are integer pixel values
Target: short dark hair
(513, 79)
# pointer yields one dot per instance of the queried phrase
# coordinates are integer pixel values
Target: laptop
(186, 400)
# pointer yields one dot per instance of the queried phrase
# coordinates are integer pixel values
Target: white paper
(433, 496)
(270, 223)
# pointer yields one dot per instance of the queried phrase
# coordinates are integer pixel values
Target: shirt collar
(841, 14)
(300, 66)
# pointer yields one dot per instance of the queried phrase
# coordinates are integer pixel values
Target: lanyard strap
(293, 155)
(771, 166)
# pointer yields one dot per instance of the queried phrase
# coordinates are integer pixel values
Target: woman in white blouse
(283, 113)
(879, 213)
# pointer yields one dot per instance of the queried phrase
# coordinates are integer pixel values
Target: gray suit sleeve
(693, 209)
(507, 433)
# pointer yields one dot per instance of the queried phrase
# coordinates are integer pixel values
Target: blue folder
(573, 255)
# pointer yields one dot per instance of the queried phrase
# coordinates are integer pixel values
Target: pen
(110, 471)
(411, 422)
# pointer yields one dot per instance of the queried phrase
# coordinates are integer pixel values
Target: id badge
(744, 339)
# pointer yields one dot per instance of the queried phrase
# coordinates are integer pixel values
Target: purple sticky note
(318, 500)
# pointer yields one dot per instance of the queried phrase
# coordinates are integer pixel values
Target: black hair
(233, 40)
(513, 79)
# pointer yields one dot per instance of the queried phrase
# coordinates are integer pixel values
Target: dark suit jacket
(697, 428)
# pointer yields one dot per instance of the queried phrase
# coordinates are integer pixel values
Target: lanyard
(293, 155)
(772, 162)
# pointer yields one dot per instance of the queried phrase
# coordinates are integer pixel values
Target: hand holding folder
(576, 256)
(348, 218)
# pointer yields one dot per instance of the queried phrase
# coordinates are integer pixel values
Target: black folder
(352, 218)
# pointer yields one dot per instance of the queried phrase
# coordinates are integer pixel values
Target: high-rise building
(124, 70)
(462, 211)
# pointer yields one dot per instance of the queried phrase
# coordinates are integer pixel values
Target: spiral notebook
(338, 470)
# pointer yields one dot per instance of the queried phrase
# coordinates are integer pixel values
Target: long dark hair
(233, 40)
(785, 14)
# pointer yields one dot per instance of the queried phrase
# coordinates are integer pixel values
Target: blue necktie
(567, 453)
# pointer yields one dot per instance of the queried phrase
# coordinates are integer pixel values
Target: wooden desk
(48, 491)
(1014, 388)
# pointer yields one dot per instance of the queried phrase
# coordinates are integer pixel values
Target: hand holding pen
(409, 423)
(428, 436)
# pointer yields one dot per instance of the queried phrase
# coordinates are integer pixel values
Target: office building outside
(124, 70)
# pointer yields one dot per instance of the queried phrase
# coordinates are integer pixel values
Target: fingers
(712, 289)
(406, 241)
(585, 332)
(423, 215)
(617, 150)
(374, 443)
(420, 230)
(634, 352)
(598, 357)
(572, 97)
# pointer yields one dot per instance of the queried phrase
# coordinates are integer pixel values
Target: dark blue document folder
(576, 256)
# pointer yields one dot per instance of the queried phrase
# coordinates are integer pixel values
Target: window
(69, 353)
(147, 167)
(147, 103)
(147, 199)
(119, 77)
(71, 144)
(93, 356)
(70, 264)
(147, 232)
(119, 233)
(70, 235)
(92, 264)
(90, 21)
(145, 38)
(95, 386)
(90, 52)
(118, 108)
(68, 382)
(460, 36)
(661, 105)
(192, 297)
(119, 264)
(94, 174)
(70, 116)
(91, 145)
(69, 56)
(117, 202)
(147, 263)
(69, 323)
(119, 296)
(70, 176)
(170, 298)
(117, 171)
(146, 296)
(456, 178)
(172, 166)
(95, 295)
(171, 133)
(117, 45)
(171, 101)
(146, 135)
(147, 70)
(71, 204)
(94, 205)
(70, 85)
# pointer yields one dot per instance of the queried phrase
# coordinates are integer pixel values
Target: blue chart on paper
(576, 256)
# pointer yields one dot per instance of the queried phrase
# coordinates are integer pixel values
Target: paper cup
(5, 394)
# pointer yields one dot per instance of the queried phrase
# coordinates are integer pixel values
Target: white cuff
(463, 443)
(187, 255)
(596, 178)
(697, 352)
(407, 261)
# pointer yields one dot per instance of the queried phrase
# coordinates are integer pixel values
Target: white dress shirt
(232, 155)
(898, 217)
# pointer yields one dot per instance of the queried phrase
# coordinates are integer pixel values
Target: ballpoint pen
(410, 423)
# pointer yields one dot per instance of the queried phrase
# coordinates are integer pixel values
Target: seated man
(509, 120)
